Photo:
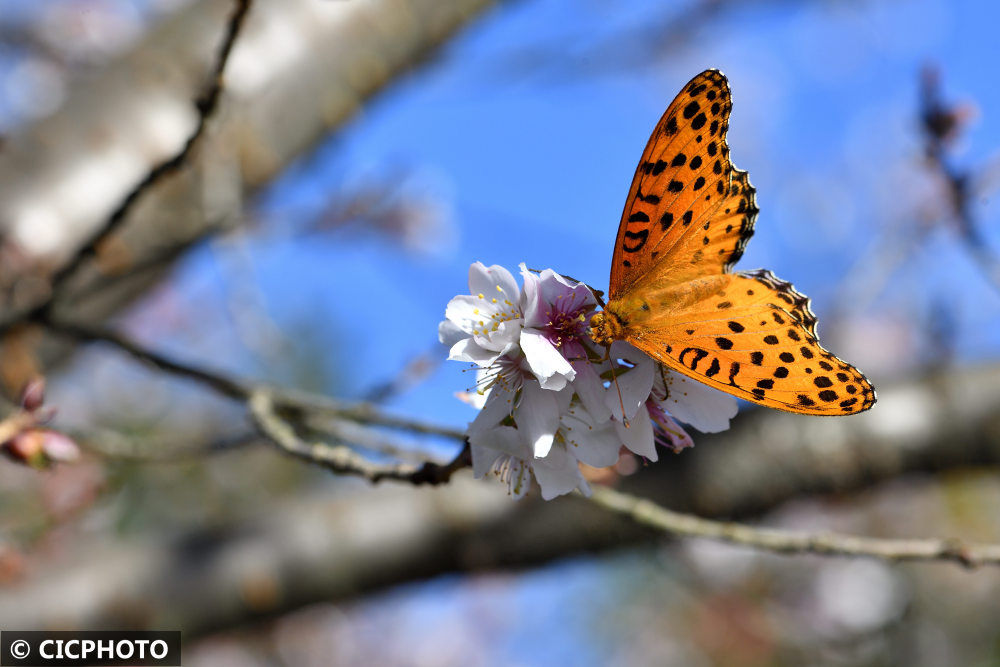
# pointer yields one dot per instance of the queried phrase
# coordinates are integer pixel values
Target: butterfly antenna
(614, 378)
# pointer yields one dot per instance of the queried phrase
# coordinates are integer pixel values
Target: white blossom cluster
(545, 391)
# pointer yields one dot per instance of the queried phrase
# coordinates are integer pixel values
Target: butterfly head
(606, 327)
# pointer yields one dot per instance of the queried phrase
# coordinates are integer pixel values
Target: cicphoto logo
(90, 648)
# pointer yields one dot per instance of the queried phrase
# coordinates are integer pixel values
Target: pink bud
(33, 394)
(59, 446)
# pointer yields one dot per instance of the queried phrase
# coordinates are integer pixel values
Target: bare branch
(941, 122)
(776, 540)
(340, 458)
(242, 390)
(927, 425)
(218, 382)
(265, 402)
(207, 103)
(110, 444)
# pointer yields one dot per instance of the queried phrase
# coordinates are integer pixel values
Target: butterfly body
(673, 294)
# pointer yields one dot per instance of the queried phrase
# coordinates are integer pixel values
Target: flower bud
(33, 394)
(26, 447)
(59, 447)
(40, 446)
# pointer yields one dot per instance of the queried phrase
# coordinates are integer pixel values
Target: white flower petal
(537, 417)
(489, 445)
(518, 478)
(499, 405)
(494, 282)
(708, 410)
(548, 291)
(449, 333)
(483, 459)
(555, 287)
(590, 388)
(638, 437)
(531, 302)
(634, 383)
(491, 329)
(465, 312)
(468, 350)
(506, 335)
(550, 367)
(557, 474)
(595, 446)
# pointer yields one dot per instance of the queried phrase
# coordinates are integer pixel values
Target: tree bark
(299, 70)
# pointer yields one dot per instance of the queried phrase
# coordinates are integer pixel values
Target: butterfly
(673, 294)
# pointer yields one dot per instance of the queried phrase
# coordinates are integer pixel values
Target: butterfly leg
(614, 378)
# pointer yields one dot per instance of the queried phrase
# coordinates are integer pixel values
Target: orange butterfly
(688, 217)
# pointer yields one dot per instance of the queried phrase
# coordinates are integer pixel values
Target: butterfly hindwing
(753, 336)
(688, 206)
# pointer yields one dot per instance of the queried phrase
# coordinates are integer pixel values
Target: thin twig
(242, 390)
(340, 458)
(206, 104)
(794, 542)
(941, 122)
(218, 382)
(112, 445)
(264, 402)
(363, 437)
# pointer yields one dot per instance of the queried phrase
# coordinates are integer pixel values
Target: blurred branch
(286, 399)
(310, 550)
(264, 402)
(794, 542)
(206, 104)
(218, 382)
(412, 374)
(941, 123)
(277, 106)
(111, 444)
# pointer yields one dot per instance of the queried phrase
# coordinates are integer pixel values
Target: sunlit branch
(795, 542)
(342, 459)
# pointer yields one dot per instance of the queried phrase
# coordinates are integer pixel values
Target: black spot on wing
(639, 237)
(697, 354)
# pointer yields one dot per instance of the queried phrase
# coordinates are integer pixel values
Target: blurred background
(361, 155)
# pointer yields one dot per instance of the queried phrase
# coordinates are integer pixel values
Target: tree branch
(264, 405)
(342, 459)
(308, 549)
(242, 390)
(941, 123)
(780, 541)
(351, 51)
(206, 104)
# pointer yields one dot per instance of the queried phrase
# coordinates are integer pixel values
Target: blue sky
(534, 152)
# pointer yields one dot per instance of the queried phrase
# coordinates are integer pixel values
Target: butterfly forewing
(688, 207)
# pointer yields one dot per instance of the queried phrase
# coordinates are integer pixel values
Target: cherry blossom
(549, 397)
